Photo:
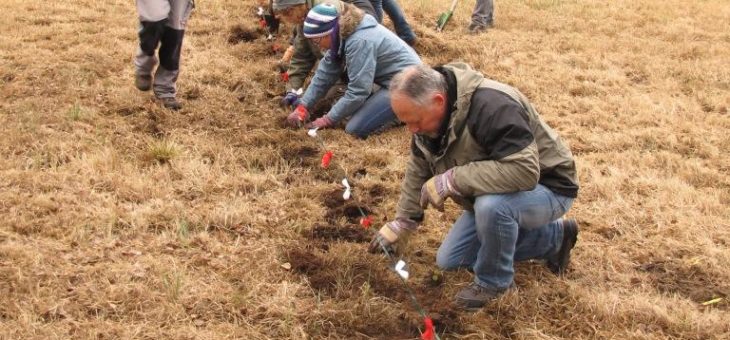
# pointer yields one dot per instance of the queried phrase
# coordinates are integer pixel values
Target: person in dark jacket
(369, 53)
(162, 24)
(482, 144)
(397, 16)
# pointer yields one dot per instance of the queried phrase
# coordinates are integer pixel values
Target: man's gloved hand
(298, 116)
(391, 233)
(291, 98)
(437, 189)
(321, 123)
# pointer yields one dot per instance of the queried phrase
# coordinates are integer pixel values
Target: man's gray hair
(418, 83)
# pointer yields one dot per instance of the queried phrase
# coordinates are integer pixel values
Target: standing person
(162, 23)
(482, 17)
(482, 144)
(306, 54)
(372, 54)
(397, 16)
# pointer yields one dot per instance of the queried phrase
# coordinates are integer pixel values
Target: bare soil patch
(239, 33)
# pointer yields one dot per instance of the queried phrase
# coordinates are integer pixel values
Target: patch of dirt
(127, 110)
(332, 174)
(373, 195)
(240, 33)
(333, 199)
(351, 211)
(691, 282)
(339, 277)
(299, 155)
(151, 126)
(362, 172)
(446, 320)
(323, 272)
(321, 276)
(347, 233)
(376, 194)
(323, 106)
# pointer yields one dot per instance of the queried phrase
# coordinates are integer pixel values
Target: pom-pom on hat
(321, 21)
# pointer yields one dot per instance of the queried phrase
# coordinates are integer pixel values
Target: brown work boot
(474, 296)
(558, 262)
(143, 82)
(171, 103)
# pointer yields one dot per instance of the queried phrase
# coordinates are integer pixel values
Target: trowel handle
(453, 6)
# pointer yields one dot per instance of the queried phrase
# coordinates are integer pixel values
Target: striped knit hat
(321, 21)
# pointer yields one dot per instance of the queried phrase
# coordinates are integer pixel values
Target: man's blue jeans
(396, 15)
(502, 229)
(375, 115)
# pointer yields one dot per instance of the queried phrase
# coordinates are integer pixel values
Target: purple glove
(298, 116)
(391, 233)
(321, 123)
(290, 99)
(437, 189)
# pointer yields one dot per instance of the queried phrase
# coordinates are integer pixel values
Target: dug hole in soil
(332, 277)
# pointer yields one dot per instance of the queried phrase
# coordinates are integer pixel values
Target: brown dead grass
(124, 220)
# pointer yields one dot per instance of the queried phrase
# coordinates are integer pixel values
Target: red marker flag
(262, 22)
(428, 332)
(284, 76)
(366, 221)
(326, 159)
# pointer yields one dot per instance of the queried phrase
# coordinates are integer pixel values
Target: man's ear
(439, 99)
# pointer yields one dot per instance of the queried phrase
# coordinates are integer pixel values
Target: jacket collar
(353, 19)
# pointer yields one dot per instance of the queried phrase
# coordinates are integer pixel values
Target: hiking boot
(171, 103)
(558, 262)
(143, 82)
(475, 296)
(475, 28)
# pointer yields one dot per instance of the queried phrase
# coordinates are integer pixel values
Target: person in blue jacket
(368, 53)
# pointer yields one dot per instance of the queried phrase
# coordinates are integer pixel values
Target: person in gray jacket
(482, 144)
(372, 55)
(162, 23)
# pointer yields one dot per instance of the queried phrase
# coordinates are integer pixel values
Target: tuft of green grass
(173, 283)
(75, 113)
(183, 232)
(163, 151)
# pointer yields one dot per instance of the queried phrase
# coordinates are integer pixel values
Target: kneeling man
(482, 144)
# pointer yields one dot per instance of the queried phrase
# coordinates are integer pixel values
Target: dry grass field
(122, 220)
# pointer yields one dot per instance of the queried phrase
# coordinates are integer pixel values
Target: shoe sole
(463, 305)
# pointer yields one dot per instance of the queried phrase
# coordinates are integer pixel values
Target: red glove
(321, 123)
(298, 116)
